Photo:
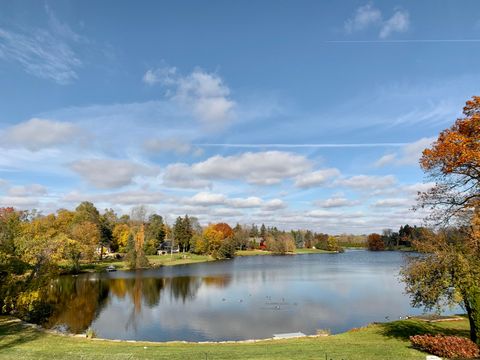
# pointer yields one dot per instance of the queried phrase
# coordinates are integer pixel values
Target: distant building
(103, 249)
(263, 245)
(166, 248)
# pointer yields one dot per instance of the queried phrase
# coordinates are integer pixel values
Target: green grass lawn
(313, 251)
(380, 341)
(252, 252)
(154, 260)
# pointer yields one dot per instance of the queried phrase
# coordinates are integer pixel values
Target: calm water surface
(245, 298)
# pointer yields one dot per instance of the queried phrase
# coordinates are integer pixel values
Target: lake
(246, 298)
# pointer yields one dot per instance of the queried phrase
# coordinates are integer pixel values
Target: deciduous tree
(375, 242)
(120, 236)
(450, 270)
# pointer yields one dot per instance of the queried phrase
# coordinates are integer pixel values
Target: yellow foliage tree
(40, 242)
(87, 235)
(120, 236)
(213, 239)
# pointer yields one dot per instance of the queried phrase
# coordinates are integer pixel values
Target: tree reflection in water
(77, 300)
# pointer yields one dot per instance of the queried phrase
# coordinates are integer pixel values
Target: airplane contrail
(403, 41)
(324, 145)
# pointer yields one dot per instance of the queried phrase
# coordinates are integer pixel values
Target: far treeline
(70, 238)
(405, 239)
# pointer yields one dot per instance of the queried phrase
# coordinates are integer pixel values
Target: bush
(150, 247)
(446, 346)
(329, 243)
(281, 244)
(226, 250)
(90, 333)
(375, 242)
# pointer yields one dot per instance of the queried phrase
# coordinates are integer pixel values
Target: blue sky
(298, 114)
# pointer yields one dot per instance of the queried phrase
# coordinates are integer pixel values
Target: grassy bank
(154, 260)
(176, 259)
(313, 251)
(297, 251)
(380, 341)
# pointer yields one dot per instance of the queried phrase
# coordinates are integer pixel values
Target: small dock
(288, 335)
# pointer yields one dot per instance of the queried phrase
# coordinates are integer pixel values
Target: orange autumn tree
(225, 229)
(449, 271)
(453, 163)
(217, 241)
(375, 242)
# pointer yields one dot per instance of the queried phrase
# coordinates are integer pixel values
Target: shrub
(90, 333)
(375, 242)
(199, 244)
(329, 243)
(226, 250)
(281, 244)
(446, 346)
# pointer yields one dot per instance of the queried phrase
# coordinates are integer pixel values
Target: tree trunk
(472, 305)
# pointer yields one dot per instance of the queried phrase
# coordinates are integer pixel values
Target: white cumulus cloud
(168, 145)
(260, 168)
(399, 22)
(130, 197)
(206, 199)
(109, 173)
(36, 134)
(181, 176)
(393, 202)
(335, 202)
(368, 16)
(364, 17)
(367, 182)
(27, 190)
(249, 202)
(316, 178)
(204, 94)
(274, 204)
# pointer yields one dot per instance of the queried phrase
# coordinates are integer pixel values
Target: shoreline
(84, 336)
(158, 261)
(377, 341)
(36, 327)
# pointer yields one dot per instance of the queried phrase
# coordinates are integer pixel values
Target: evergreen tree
(154, 234)
(131, 256)
(183, 233)
(254, 231)
(263, 232)
(308, 239)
